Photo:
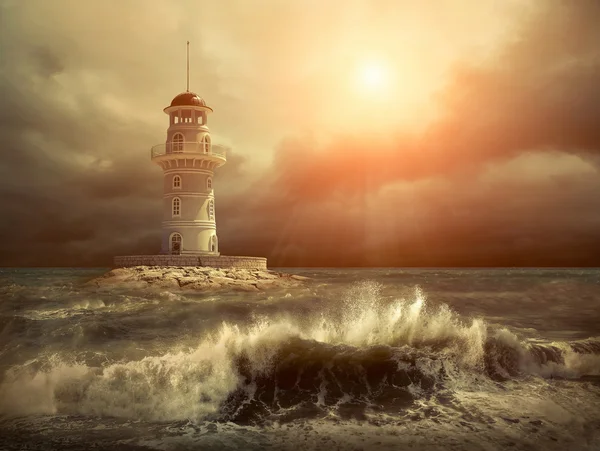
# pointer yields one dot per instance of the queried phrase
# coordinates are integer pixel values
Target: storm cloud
(503, 173)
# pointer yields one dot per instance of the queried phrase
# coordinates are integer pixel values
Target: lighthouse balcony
(197, 150)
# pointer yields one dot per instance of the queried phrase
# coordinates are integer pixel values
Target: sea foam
(368, 353)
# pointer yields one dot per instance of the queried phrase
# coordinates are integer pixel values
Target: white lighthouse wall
(192, 207)
(190, 134)
(194, 196)
(195, 240)
(192, 180)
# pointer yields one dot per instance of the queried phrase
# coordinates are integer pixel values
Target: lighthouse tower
(188, 159)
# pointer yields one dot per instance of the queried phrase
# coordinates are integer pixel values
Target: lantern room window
(177, 143)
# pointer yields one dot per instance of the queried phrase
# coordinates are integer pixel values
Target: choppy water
(355, 359)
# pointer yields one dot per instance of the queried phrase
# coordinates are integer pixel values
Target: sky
(362, 132)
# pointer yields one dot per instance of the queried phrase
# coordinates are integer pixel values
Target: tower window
(176, 206)
(206, 140)
(177, 182)
(177, 142)
(211, 210)
(209, 183)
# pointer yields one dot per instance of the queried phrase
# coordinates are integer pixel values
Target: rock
(187, 280)
(511, 420)
(266, 275)
(223, 280)
(165, 282)
(265, 284)
(200, 285)
(152, 275)
(240, 274)
(199, 278)
(245, 287)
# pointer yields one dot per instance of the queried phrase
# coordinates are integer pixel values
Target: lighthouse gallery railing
(203, 148)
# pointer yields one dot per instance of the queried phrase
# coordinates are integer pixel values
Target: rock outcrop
(195, 278)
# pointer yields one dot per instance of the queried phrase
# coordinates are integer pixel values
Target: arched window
(206, 140)
(177, 142)
(176, 206)
(213, 243)
(209, 183)
(211, 209)
(177, 182)
(175, 243)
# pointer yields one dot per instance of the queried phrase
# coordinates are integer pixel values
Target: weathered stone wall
(221, 261)
(224, 261)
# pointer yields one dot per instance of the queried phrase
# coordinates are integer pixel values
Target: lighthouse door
(176, 244)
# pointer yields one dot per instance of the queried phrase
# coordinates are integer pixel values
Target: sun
(373, 76)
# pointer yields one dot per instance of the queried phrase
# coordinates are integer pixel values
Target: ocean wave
(365, 355)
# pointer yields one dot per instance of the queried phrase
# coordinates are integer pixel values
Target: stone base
(221, 261)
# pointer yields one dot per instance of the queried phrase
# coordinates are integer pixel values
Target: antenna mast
(188, 66)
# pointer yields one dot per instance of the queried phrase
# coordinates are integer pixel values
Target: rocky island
(200, 278)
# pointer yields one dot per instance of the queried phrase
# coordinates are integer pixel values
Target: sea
(351, 359)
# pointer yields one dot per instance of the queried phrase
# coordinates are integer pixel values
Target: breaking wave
(367, 355)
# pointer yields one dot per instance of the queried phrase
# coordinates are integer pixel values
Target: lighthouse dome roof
(188, 99)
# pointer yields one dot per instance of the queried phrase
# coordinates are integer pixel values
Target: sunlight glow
(373, 76)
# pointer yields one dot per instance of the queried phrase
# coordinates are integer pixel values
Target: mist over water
(482, 359)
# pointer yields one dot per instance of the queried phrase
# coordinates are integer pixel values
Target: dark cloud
(454, 223)
(81, 105)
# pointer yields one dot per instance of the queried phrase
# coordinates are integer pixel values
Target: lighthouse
(188, 159)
